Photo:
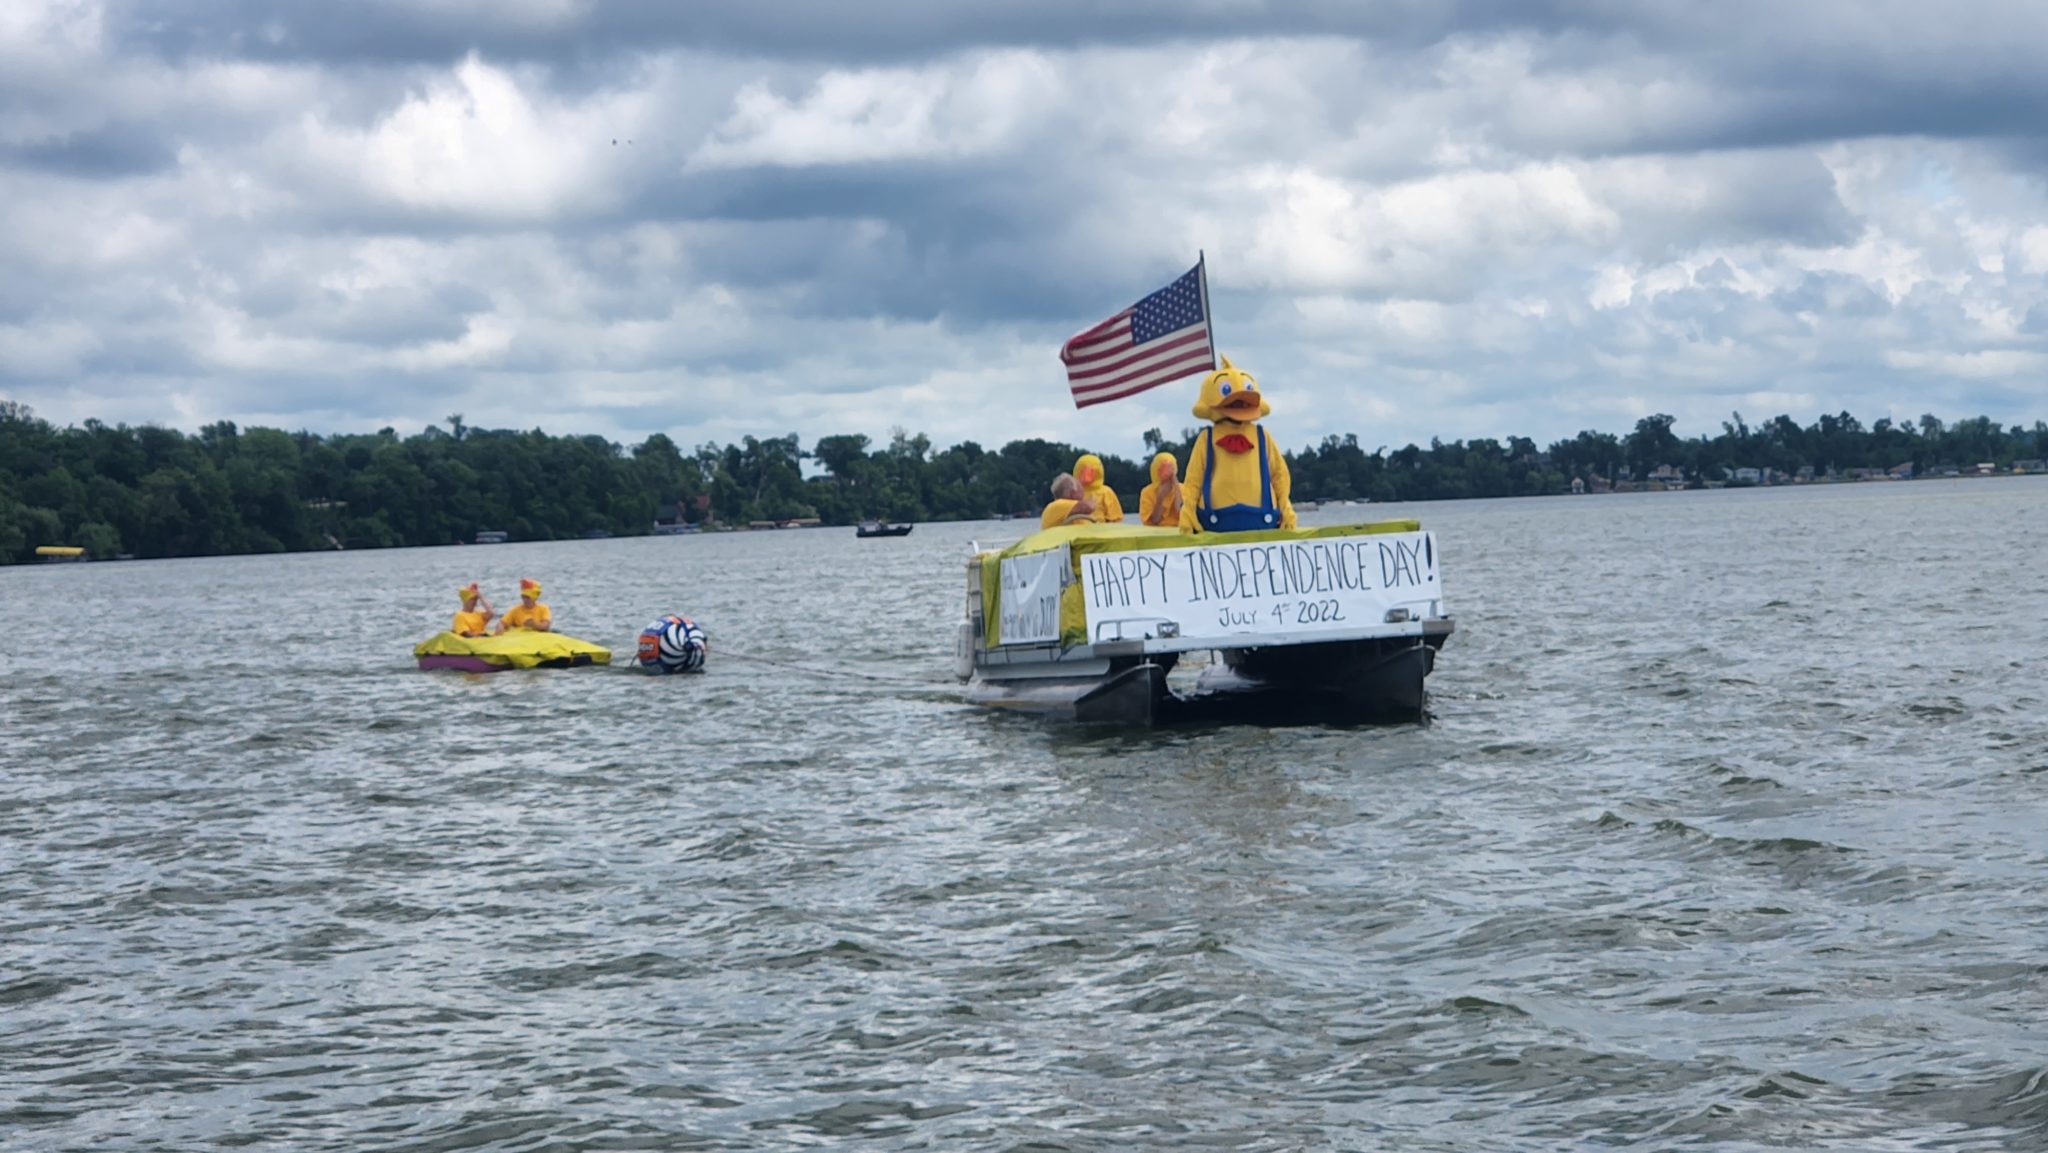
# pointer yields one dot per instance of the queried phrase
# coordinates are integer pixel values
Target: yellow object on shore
(523, 649)
(59, 551)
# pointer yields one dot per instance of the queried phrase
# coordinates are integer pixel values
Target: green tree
(1652, 444)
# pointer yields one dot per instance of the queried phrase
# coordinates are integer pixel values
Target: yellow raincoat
(1159, 505)
(1088, 470)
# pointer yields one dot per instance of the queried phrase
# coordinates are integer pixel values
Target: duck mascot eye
(1237, 478)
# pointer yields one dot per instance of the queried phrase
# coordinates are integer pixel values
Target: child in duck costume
(1237, 479)
(1160, 504)
(1088, 470)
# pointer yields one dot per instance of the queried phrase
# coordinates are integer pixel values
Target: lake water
(1728, 834)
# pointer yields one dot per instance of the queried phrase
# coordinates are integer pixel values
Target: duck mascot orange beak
(1237, 476)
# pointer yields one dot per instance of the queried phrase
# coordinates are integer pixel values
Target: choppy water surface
(1729, 834)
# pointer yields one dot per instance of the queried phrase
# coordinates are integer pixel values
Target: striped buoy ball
(672, 644)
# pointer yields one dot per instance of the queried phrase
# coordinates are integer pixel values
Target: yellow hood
(1230, 393)
(1164, 458)
(1082, 468)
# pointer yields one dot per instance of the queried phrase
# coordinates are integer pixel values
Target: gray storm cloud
(720, 219)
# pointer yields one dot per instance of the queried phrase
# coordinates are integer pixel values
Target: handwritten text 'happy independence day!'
(1291, 568)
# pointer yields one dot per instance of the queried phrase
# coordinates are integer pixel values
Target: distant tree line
(1339, 469)
(156, 492)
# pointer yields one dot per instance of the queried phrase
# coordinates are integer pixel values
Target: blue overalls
(1237, 517)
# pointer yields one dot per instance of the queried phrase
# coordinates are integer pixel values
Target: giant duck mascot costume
(1236, 479)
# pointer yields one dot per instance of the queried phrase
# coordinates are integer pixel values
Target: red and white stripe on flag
(1162, 338)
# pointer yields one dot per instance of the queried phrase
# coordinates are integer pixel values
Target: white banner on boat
(1029, 601)
(1319, 585)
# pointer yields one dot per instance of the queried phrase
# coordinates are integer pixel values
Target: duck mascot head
(1237, 479)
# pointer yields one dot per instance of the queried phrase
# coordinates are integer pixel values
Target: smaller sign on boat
(1030, 598)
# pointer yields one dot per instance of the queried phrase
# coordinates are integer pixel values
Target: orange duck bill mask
(1230, 399)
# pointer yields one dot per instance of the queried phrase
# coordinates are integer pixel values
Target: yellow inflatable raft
(517, 649)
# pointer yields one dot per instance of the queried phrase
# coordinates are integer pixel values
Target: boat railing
(1144, 628)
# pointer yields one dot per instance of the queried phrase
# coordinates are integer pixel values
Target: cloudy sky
(1422, 217)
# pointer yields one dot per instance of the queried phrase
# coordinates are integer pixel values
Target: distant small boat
(59, 552)
(869, 528)
(492, 536)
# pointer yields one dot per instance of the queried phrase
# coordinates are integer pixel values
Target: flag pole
(1202, 268)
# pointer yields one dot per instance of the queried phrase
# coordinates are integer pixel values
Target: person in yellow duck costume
(1159, 505)
(476, 614)
(1237, 479)
(529, 613)
(1088, 470)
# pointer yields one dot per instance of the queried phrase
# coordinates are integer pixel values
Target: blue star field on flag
(1168, 310)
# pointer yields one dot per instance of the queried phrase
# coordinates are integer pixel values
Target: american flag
(1162, 337)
